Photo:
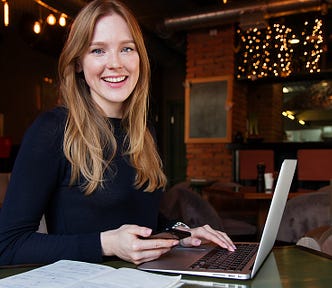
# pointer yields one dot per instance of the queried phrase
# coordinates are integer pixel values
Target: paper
(74, 274)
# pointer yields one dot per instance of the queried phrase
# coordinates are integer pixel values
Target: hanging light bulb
(5, 13)
(37, 27)
(225, 1)
(62, 20)
(51, 20)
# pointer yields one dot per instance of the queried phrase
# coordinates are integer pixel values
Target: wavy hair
(88, 132)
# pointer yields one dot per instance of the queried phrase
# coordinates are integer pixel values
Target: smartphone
(170, 233)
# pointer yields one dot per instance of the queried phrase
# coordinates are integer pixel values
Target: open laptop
(268, 276)
(194, 260)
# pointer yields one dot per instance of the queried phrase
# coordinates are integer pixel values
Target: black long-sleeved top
(40, 185)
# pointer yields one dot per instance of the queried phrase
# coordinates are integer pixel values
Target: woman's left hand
(205, 234)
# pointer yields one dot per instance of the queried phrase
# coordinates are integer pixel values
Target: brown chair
(181, 203)
(5, 147)
(314, 167)
(320, 238)
(314, 164)
(305, 213)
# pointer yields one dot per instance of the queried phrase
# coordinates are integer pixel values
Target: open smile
(114, 79)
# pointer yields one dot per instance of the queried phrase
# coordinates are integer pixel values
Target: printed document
(75, 274)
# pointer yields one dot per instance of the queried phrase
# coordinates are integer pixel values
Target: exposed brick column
(210, 53)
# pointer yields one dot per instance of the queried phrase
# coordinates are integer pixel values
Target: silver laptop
(206, 261)
(268, 276)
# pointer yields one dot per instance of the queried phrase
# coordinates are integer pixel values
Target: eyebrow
(122, 42)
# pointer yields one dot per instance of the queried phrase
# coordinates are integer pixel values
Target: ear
(78, 67)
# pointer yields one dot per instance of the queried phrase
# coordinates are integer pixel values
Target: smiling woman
(100, 161)
(101, 193)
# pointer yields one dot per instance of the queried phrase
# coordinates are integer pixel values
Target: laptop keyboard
(222, 259)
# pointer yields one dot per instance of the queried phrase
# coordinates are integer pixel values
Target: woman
(91, 166)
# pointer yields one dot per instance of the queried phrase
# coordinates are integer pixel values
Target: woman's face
(111, 64)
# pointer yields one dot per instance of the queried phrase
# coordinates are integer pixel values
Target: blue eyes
(127, 49)
(97, 51)
(100, 51)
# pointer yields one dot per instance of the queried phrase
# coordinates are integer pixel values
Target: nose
(113, 61)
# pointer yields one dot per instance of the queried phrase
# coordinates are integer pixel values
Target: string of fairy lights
(279, 51)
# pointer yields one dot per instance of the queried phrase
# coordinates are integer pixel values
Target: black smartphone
(170, 233)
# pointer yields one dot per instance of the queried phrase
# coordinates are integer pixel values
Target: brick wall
(211, 53)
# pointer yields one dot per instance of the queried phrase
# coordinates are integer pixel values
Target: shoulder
(55, 117)
(48, 126)
(51, 120)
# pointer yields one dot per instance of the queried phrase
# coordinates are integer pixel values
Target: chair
(308, 221)
(248, 160)
(319, 239)
(5, 153)
(314, 168)
(181, 203)
(305, 213)
(228, 206)
(5, 147)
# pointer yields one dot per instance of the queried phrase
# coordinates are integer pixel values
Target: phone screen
(171, 234)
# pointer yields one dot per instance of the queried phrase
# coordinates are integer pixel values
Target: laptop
(268, 276)
(197, 260)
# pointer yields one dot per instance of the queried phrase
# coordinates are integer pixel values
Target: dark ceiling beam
(233, 14)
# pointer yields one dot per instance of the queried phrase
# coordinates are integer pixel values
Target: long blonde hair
(88, 131)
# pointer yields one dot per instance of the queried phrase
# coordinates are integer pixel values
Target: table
(249, 193)
(286, 266)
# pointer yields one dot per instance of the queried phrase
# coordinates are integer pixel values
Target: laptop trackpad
(178, 258)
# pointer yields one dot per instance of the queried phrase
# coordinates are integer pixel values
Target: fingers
(149, 249)
(148, 244)
(206, 234)
(128, 243)
(220, 236)
(137, 230)
(140, 256)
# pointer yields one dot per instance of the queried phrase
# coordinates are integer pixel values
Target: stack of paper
(76, 274)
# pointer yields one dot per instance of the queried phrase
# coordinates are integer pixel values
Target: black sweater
(40, 185)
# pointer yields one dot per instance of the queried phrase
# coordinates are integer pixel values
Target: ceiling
(168, 20)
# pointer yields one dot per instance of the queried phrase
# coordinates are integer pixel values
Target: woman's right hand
(128, 243)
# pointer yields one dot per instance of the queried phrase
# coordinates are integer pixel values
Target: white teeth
(114, 79)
